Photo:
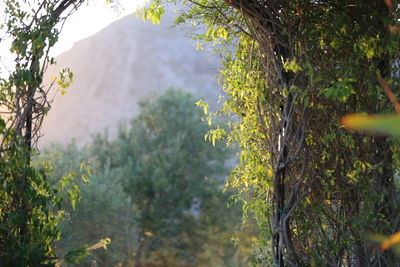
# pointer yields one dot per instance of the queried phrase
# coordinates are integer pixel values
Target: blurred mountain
(116, 68)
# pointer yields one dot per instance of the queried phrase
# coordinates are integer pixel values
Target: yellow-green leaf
(383, 124)
(370, 52)
(291, 66)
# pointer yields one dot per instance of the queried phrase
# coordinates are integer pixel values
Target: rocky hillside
(116, 68)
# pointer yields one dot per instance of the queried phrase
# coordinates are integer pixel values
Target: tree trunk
(139, 251)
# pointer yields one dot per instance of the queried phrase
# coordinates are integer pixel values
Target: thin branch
(389, 93)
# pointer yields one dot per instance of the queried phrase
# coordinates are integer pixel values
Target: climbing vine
(291, 70)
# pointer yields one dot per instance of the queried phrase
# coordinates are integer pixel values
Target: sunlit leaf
(291, 66)
(391, 241)
(383, 124)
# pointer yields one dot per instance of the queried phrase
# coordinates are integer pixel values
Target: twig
(389, 93)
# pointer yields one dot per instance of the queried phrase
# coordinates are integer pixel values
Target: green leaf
(2, 124)
(75, 256)
(306, 101)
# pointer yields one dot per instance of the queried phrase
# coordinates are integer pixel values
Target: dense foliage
(292, 69)
(155, 190)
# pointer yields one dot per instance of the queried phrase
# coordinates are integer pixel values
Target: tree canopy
(171, 176)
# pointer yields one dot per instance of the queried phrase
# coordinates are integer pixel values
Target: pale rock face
(116, 68)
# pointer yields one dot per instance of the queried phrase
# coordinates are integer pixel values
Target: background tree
(172, 177)
(297, 67)
(103, 210)
(155, 190)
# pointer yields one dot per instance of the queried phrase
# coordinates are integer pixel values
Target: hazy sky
(90, 19)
